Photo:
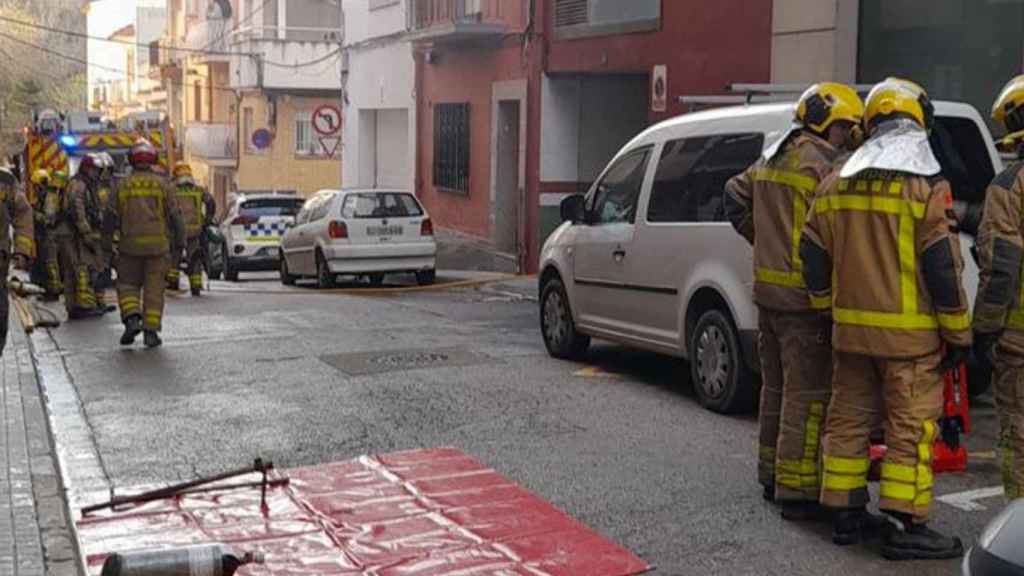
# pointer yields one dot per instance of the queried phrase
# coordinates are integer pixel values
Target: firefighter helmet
(41, 177)
(90, 166)
(1008, 108)
(826, 103)
(143, 154)
(896, 97)
(59, 179)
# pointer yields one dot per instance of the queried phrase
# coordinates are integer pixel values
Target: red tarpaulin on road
(415, 513)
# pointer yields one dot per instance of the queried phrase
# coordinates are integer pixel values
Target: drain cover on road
(364, 363)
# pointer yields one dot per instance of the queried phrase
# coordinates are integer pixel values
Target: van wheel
(230, 272)
(720, 378)
(324, 277)
(426, 277)
(557, 326)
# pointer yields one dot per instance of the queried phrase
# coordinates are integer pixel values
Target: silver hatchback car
(646, 258)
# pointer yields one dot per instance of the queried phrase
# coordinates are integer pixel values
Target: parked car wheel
(324, 277)
(426, 277)
(230, 272)
(286, 278)
(720, 378)
(214, 268)
(557, 326)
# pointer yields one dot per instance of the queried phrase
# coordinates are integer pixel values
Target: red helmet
(89, 166)
(143, 154)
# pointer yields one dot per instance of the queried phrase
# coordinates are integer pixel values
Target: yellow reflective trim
(897, 491)
(25, 243)
(908, 266)
(925, 480)
(923, 499)
(796, 482)
(891, 320)
(799, 218)
(821, 302)
(896, 187)
(844, 185)
(899, 473)
(841, 483)
(795, 180)
(861, 186)
(883, 205)
(839, 465)
(955, 322)
(876, 186)
(787, 279)
(1015, 319)
(146, 240)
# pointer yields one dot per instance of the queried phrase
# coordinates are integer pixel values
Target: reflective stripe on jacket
(145, 208)
(190, 202)
(16, 213)
(896, 287)
(768, 205)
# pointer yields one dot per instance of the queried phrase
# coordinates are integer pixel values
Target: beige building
(958, 49)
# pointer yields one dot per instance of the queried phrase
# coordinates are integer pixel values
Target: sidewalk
(35, 539)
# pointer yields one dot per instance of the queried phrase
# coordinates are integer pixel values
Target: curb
(383, 291)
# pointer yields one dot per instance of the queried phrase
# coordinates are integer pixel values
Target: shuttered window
(570, 12)
(451, 147)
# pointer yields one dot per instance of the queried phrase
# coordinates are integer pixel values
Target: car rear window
(270, 207)
(377, 205)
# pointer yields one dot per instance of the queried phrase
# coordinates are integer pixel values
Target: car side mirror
(573, 209)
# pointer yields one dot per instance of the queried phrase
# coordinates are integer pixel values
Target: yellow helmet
(896, 96)
(1008, 109)
(59, 179)
(182, 169)
(823, 104)
(41, 177)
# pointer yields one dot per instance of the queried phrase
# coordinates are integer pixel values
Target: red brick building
(517, 108)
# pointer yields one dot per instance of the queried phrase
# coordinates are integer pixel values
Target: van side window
(618, 193)
(960, 148)
(690, 181)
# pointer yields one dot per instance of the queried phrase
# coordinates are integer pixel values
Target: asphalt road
(303, 378)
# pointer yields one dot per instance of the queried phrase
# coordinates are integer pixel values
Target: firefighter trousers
(911, 393)
(78, 294)
(140, 288)
(1009, 394)
(194, 257)
(5, 305)
(54, 285)
(796, 370)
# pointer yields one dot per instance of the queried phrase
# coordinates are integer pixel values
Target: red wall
(458, 75)
(706, 44)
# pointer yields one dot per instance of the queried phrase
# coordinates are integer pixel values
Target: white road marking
(967, 500)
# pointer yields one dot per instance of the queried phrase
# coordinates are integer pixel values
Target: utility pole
(342, 74)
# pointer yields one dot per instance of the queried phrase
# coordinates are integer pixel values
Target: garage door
(393, 149)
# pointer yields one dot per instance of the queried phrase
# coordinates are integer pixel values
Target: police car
(252, 230)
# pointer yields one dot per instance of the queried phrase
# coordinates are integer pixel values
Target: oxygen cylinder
(205, 560)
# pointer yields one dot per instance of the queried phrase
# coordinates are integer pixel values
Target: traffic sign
(327, 120)
(261, 138)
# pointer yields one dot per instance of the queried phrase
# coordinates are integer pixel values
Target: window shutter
(571, 12)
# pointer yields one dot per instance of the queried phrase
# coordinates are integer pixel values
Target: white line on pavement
(966, 500)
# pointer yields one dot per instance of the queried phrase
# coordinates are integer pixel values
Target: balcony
(211, 36)
(213, 142)
(458, 21)
(292, 58)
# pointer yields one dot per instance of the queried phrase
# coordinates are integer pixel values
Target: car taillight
(244, 220)
(427, 228)
(337, 230)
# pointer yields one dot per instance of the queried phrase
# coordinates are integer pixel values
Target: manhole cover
(362, 363)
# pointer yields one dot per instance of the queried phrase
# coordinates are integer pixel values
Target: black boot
(768, 493)
(910, 541)
(852, 525)
(196, 292)
(804, 512)
(151, 339)
(132, 327)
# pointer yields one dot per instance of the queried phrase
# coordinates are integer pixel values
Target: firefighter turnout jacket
(886, 239)
(192, 201)
(999, 308)
(147, 214)
(773, 197)
(16, 213)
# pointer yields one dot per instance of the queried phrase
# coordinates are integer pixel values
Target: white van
(647, 258)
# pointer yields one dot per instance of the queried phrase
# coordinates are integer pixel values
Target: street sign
(330, 145)
(261, 139)
(659, 88)
(327, 120)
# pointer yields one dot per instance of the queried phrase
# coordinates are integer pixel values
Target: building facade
(380, 114)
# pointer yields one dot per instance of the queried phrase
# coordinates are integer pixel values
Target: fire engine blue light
(68, 141)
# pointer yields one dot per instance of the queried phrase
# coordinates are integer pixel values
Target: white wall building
(380, 111)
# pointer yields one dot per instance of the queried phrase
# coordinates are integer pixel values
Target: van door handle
(619, 254)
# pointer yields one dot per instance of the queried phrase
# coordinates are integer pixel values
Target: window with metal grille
(571, 12)
(451, 147)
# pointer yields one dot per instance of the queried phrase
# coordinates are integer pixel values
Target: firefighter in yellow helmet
(767, 204)
(879, 244)
(48, 273)
(195, 203)
(60, 222)
(87, 220)
(146, 215)
(999, 311)
(16, 214)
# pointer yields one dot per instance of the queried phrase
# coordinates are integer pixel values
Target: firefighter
(880, 245)
(194, 203)
(103, 192)
(46, 248)
(16, 214)
(767, 204)
(87, 223)
(78, 298)
(999, 309)
(146, 217)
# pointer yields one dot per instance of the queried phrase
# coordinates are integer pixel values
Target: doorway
(508, 185)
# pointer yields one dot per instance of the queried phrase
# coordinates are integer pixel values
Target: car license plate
(384, 230)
